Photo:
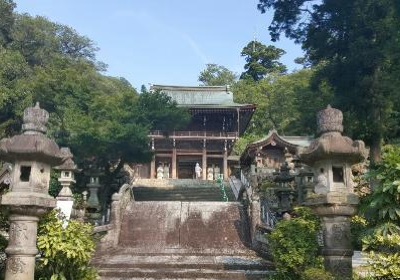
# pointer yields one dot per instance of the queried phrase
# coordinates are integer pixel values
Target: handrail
(268, 217)
(222, 188)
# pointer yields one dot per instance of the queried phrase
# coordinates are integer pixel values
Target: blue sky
(165, 41)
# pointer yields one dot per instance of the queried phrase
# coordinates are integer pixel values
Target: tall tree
(103, 119)
(7, 20)
(356, 45)
(217, 75)
(261, 60)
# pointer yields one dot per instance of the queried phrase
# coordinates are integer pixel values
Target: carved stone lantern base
(335, 210)
(25, 209)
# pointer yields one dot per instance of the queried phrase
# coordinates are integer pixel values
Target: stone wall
(183, 226)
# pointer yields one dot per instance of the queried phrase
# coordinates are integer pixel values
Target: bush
(384, 254)
(382, 211)
(294, 246)
(316, 274)
(65, 252)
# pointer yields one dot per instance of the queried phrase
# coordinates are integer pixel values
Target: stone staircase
(179, 229)
(179, 190)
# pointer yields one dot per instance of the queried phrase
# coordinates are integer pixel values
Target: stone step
(180, 194)
(169, 183)
(182, 261)
(134, 273)
(123, 265)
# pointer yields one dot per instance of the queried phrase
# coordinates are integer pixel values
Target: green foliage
(217, 75)
(65, 252)
(102, 119)
(261, 60)
(294, 245)
(55, 186)
(316, 274)
(381, 233)
(355, 46)
(383, 204)
(7, 20)
(384, 254)
(359, 228)
(287, 103)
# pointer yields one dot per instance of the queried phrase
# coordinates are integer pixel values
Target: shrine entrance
(186, 165)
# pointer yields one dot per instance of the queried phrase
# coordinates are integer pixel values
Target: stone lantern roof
(68, 164)
(332, 144)
(32, 144)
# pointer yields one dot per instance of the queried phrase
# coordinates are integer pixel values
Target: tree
(261, 60)
(217, 75)
(355, 44)
(102, 119)
(7, 20)
(286, 103)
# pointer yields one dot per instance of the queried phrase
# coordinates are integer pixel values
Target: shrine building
(216, 123)
(270, 152)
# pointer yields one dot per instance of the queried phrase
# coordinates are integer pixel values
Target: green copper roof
(200, 96)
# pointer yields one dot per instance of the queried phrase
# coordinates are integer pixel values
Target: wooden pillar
(153, 167)
(225, 165)
(173, 163)
(204, 163)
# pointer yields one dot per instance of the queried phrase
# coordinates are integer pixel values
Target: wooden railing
(195, 134)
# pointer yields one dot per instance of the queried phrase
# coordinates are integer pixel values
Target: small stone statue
(166, 171)
(197, 171)
(210, 173)
(160, 172)
(217, 172)
(322, 184)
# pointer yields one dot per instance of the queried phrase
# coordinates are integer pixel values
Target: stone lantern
(94, 186)
(284, 190)
(93, 204)
(67, 170)
(32, 155)
(331, 157)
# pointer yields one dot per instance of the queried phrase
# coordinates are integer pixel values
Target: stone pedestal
(21, 249)
(336, 210)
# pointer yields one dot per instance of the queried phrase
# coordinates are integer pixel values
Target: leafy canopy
(356, 46)
(217, 75)
(261, 60)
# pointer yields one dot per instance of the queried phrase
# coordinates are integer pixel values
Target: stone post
(32, 155)
(331, 156)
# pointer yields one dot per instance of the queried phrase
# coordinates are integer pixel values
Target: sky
(165, 41)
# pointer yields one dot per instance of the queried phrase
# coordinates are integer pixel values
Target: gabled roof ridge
(192, 88)
(283, 138)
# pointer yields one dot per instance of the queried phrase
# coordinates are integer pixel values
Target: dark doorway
(186, 165)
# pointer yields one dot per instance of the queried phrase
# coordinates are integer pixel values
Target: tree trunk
(376, 150)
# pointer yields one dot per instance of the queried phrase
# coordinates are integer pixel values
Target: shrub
(294, 245)
(359, 229)
(316, 274)
(382, 211)
(65, 252)
(384, 254)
